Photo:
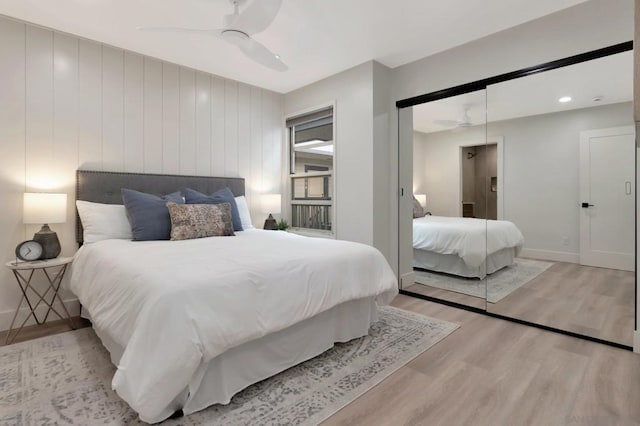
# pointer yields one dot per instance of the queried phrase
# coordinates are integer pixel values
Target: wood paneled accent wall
(68, 103)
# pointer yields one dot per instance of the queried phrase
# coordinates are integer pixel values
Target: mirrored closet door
(524, 196)
(452, 167)
(566, 191)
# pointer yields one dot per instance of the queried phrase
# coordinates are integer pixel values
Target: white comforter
(175, 304)
(469, 238)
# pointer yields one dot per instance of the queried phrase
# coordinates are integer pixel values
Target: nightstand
(24, 271)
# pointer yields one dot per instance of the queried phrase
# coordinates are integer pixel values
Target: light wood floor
(451, 296)
(47, 329)
(596, 302)
(492, 372)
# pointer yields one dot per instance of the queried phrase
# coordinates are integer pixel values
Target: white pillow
(103, 222)
(243, 211)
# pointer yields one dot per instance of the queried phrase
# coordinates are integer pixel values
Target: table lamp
(271, 204)
(422, 199)
(45, 208)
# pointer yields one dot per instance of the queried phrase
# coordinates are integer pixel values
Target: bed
(190, 323)
(466, 247)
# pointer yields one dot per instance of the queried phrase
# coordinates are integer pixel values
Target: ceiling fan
(238, 28)
(463, 122)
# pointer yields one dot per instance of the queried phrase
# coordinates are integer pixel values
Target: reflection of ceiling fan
(238, 28)
(463, 122)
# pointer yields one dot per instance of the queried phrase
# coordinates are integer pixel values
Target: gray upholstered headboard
(104, 187)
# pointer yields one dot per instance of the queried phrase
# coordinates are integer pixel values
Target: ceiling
(315, 38)
(610, 78)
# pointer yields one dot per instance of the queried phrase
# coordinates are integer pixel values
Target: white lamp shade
(422, 199)
(41, 208)
(271, 203)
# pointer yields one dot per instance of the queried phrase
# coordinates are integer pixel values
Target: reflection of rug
(66, 378)
(500, 283)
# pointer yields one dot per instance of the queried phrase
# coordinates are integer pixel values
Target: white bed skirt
(454, 265)
(216, 381)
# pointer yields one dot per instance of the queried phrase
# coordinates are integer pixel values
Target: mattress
(171, 307)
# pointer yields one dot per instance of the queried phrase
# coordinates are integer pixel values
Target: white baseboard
(557, 256)
(407, 279)
(636, 341)
(5, 317)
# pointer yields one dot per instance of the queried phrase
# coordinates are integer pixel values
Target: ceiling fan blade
(259, 53)
(179, 30)
(257, 16)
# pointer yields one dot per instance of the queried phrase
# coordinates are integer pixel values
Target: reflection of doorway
(479, 181)
(607, 194)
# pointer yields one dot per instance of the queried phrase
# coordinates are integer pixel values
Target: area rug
(66, 379)
(500, 283)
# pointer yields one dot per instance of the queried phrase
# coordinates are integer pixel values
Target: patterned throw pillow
(190, 221)
(418, 211)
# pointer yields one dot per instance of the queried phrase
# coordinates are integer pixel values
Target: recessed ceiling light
(277, 56)
(564, 99)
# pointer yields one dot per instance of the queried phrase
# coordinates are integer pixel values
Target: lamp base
(49, 241)
(270, 224)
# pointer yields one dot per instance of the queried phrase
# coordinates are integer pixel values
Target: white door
(607, 196)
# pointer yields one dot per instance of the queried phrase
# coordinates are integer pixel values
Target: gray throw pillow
(223, 195)
(418, 211)
(190, 221)
(148, 214)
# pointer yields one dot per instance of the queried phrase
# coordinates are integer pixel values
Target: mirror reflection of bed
(449, 230)
(531, 212)
(450, 255)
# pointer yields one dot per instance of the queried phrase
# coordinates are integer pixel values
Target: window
(311, 149)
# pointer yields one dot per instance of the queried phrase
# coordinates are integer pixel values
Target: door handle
(627, 188)
(586, 205)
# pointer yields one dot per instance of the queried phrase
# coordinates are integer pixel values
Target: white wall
(541, 171)
(541, 174)
(382, 204)
(362, 97)
(587, 26)
(436, 168)
(69, 103)
(420, 167)
(352, 92)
